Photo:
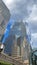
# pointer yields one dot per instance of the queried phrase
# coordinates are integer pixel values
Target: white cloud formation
(34, 35)
(33, 15)
(32, 19)
(34, 40)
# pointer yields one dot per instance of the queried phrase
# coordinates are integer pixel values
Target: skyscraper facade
(4, 18)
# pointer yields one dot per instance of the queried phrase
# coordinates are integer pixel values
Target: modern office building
(4, 18)
(16, 43)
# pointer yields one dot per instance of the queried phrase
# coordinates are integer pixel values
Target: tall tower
(4, 18)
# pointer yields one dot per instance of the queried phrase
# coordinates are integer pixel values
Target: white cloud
(8, 1)
(33, 15)
(33, 41)
(32, 19)
(34, 35)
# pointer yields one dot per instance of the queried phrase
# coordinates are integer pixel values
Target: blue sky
(25, 10)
